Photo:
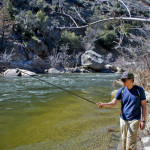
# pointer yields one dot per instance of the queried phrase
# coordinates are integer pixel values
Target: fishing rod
(58, 87)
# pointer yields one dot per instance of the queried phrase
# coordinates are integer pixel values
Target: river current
(38, 116)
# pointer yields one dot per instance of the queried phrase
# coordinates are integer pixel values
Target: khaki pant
(129, 131)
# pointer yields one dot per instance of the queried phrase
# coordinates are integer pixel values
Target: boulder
(27, 73)
(18, 53)
(36, 64)
(147, 96)
(37, 47)
(92, 60)
(110, 68)
(54, 70)
(113, 93)
(119, 70)
(12, 72)
(18, 72)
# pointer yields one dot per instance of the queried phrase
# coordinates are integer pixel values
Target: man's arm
(110, 104)
(143, 104)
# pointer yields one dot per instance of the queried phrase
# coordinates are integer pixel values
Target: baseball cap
(127, 75)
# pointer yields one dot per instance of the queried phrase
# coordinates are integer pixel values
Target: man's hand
(142, 125)
(100, 105)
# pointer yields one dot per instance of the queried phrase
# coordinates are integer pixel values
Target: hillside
(35, 28)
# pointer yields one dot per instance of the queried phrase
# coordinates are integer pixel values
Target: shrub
(40, 16)
(29, 14)
(10, 10)
(108, 26)
(107, 39)
(72, 40)
(126, 28)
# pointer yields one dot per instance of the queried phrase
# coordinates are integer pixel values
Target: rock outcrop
(92, 60)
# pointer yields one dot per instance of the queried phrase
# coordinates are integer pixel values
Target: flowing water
(38, 116)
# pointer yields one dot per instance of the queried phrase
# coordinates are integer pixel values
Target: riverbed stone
(92, 60)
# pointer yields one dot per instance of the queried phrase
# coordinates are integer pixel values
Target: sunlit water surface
(38, 116)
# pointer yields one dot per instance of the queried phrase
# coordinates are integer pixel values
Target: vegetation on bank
(39, 21)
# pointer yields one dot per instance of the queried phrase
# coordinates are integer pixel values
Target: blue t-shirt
(131, 102)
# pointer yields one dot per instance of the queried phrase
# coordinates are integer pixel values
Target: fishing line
(58, 87)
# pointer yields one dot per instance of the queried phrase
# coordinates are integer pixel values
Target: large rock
(37, 47)
(92, 60)
(12, 72)
(110, 68)
(147, 96)
(113, 94)
(18, 53)
(27, 73)
(18, 72)
(54, 70)
(36, 64)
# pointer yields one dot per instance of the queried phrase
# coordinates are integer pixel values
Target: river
(38, 116)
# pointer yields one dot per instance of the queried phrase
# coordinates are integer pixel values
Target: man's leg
(132, 134)
(124, 128)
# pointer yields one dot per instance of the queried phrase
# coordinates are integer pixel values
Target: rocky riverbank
(144, 135)
(90, 62)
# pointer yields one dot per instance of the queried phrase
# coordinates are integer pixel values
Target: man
(133, 100)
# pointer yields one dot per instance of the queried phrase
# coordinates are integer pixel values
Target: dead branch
(79, 15)
(70, 18)
(107, 19)
(125, 7)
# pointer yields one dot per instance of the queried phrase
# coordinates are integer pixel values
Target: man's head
(127, 78)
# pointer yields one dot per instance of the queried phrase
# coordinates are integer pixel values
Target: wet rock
(92, 60)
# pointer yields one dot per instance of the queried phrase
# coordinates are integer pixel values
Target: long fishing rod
(58, 87)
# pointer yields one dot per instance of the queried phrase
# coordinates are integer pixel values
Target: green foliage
(40, 16)
(29, 14)
(72, 40)
(108, 26)
(36, 39)
(107, 39)
(126, 28)
(39, 1)
(10, 10)
(28, 33)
